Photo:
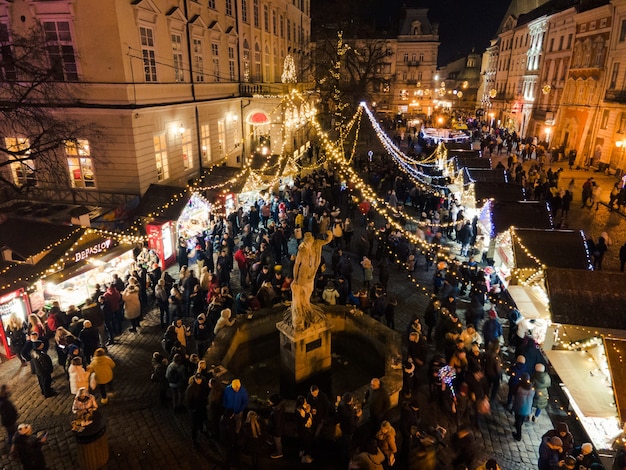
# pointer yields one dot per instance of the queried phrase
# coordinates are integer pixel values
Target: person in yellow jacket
(101, 367)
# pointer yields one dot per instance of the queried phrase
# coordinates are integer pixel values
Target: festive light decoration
(289, 74)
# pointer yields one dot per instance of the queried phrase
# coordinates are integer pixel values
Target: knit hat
(520, 359)
(556, 441)
(586, 448)
(493, 314)
(562, 427)
(540, 367)
(275, 399)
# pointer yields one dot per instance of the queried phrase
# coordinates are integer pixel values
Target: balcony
(413, 63)
(411, 82)
(251, 89)
(615, 96)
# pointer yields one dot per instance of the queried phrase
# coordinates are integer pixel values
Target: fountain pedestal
(305, 357)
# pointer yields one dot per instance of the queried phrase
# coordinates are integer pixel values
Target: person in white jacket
(132, 306)
(223, 321)
(78, 376)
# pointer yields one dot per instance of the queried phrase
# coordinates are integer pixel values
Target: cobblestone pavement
(142, 434)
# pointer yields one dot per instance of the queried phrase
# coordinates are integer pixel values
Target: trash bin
(92, 443)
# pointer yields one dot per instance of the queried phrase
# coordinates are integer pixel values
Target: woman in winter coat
(159, 367)
(102, 367)
(386, 437)
(541, 382)
(522, 404)
(223, 321)
(304, 419)
(368, 271)
(132, 306)
(78, 376)
(16, 334)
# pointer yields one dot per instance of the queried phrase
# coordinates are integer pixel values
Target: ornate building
(173, 87)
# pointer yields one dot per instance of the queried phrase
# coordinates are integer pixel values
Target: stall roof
(163, 202)
(499, 191)
(615, 351)
(593, 299)
(520, 214)
(554, 248)
(485, 175)
(467, 160)
(29, 237)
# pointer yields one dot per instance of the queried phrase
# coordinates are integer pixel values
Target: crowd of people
(453, 356)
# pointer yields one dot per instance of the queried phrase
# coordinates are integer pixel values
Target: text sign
(92, 250)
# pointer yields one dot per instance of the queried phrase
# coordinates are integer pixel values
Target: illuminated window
(80, 163)
(205, 142)
(148, 54)
(22, 171)
(177, 52)
(60, 50)
(187, 150)
(160, 156)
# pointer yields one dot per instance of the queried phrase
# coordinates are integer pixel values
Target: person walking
(8, 414)
(102, 368)
(196, 397)
(541, 382)
(42, 364)
(522, 404)
(26, 448)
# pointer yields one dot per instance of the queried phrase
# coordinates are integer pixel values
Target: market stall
(93, 260)
(13, 304)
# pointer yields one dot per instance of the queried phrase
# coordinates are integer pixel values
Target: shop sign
(8, 297)
(92, 250)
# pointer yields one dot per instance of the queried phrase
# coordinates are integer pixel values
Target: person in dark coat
(27, 448)
(348, 415)
(550, 453)
(183, 253)
(196, 400)
(377, 401)
(276, 426)
(228, 438)
(43, 368)
(410, 420)
(90, 339)
(8, 413)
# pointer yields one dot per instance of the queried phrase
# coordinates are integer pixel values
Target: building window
(551, 44)
(215, 54)
(246, 61)
(198, 61)
(622, 32)
(160, 156)
(604, 123)
(177, 51)
(266, 18)
(614, 75)
(23, 172)
(187, 150)
(282, 27)
(221, 138)
(405, 57)
(255, 13)
(561, 39)
(231, 63)
(80, 163)
(288, 29)
(244, 11)
(205, 142)
(257, 63)
(212, 4)
(148, 54)
(60, 50)
(421, 58)
(274, 29)
(7, 66)
(229, 7)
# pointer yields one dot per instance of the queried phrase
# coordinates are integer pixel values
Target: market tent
(484, 175)
(531, 301)
(580, 376)
(163, 202)
(468, 160)
(594, 299)
(499, 191)
(27, 238)
(520, 214)
(553, 248)
(615, 351)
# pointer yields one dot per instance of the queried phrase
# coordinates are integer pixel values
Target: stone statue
(303, 313)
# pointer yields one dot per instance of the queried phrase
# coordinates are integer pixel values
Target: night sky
(463, 24)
